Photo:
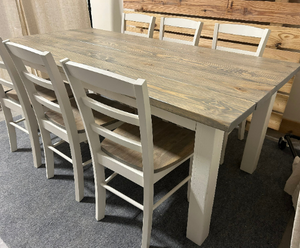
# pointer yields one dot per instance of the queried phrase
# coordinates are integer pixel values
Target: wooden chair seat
(100, 119)
(5, 88)
(170, 142)
(12, 94)
(48, 94)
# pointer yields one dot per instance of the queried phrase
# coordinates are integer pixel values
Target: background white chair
(241, 30)
(143, 150)
(13, 97)
(54, 117)
(180, 23)
(139, 18)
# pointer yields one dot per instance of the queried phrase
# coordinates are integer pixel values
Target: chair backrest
(15, 83)
(22, 55)
(140, 19)
(10, 68)
(119, 88)
(241, 30)
(180, 23)
(4, 82)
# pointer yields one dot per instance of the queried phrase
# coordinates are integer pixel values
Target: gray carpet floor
(249, 210)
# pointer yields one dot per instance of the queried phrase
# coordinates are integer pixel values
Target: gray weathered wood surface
(212, 87)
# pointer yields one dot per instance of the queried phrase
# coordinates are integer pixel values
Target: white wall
(106, 14)
(292, 111)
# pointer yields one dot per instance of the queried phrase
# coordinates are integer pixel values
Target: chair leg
(32, 128)
(36, 148)
(224, 147)
(242, 127)
(25, 122)
(100, 192)
(189, 182)
(11, 130)
(147, 215)
(49, 156)
(77, 170)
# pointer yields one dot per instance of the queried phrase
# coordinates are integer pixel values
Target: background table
(205, 90)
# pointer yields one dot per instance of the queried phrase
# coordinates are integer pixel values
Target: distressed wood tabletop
(216, 88)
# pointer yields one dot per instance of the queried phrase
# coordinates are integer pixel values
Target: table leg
(207, 153)
(256, 135)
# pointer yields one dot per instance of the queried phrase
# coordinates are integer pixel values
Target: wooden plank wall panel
(280, 38)
(258, 11)
(274, 123)
(283, 43)
(288, 126)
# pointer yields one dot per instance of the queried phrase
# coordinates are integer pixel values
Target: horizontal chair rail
(18, 126)
(171, 192)
(124, 197)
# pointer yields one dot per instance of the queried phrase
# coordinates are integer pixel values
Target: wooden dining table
(204, 90)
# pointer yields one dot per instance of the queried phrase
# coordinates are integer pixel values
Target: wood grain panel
(178, 55)
(258, 11)
(280, 37)
(287, 87)
(274, 123)
(180, 144)
(197, 83)
(288, 126)
(280, 102)
(269, 52)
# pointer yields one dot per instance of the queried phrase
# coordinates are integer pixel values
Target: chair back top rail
(181, 23)
(138, 18)
(242, 30)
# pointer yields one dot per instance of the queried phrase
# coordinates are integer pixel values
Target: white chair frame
(181, 23)
(20, 53)
(118, 87)
(242, 30)
(138, 18)
(23, 107)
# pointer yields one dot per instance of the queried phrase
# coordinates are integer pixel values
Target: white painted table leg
(242, 127)
(208, 145)
(225, 140)
(256, 135)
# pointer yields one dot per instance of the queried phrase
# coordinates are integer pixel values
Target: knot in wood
(240, 89)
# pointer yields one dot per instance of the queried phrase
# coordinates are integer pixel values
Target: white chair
(241, 30)
(13, 97)
(143, 150)
(180, 23)
(61, 118)
(141, 19)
